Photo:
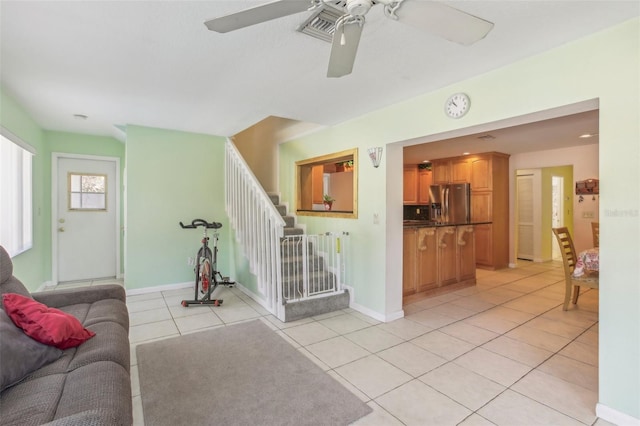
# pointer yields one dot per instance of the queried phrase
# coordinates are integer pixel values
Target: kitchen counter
(436, 255)
(431, 223)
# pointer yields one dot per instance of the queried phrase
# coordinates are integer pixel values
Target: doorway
(525, 216)
(85, 217)
(557, 209)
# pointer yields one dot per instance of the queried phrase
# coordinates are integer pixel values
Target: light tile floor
(502, 352)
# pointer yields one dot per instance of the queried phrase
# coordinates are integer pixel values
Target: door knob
(61, 229)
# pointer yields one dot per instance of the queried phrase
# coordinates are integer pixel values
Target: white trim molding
(55, 156)
(165, 287)
(615, 416)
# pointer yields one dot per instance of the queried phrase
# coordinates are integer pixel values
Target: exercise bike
(206, 271)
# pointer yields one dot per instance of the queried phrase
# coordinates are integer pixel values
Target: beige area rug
(244, 374)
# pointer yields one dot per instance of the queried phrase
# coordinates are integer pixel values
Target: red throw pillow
(46, 325)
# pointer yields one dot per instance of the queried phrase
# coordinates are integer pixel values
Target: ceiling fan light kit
(430, 16)
(358, 7)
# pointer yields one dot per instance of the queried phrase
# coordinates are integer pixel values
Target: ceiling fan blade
(444, 21)
(258, 14)
(343, 50)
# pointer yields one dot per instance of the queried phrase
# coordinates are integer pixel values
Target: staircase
(297, 275)
(309, 287)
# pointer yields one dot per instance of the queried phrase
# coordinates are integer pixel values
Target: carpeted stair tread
(293, 231)
(319, 279)
(315, 278)
(290, 221)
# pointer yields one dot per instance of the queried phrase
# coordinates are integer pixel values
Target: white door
(86, 220)
(525, 225)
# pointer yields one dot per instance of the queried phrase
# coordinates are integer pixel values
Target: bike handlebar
(201, 222)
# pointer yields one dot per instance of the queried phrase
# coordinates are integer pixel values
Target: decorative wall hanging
(589, 186)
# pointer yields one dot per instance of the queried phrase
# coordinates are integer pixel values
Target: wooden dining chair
(595, 231)
(569, 259)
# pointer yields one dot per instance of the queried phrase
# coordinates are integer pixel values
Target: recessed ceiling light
(465, 153)
(426, 161)
(588, 135)
(80, 116)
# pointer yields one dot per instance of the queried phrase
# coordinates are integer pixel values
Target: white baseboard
(615, 416)
(370, 312)
(377, 315)
(255, 297)
(166, 287)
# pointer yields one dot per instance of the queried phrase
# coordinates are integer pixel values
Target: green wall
(16, 120)
(171, 176)
(604, 66)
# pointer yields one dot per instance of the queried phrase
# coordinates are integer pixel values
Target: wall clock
(457, 105)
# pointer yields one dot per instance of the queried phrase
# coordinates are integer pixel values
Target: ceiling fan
(433, 17)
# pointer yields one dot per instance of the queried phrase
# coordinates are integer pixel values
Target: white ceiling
(538, 135)
(153, 63)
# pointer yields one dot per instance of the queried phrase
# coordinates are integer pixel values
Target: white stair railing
(258, 226)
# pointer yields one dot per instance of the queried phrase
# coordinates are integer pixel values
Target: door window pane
(87, 191)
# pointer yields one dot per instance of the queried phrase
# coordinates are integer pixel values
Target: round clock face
(457, 105)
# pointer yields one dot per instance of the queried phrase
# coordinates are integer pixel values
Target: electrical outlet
(376, 219)
(587, 215)
(190, 261)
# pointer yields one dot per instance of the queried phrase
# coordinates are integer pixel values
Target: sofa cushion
(101, 387)
(47, 325)
(20, 355)
(107, 310)
(111, 343)
(33, 402)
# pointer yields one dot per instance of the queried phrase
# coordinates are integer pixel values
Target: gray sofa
(87, 385)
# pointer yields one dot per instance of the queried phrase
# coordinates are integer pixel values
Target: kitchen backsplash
(416, 213)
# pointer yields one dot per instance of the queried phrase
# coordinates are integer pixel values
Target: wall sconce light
(376, 155)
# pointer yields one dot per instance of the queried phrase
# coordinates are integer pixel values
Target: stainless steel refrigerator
(450, 203)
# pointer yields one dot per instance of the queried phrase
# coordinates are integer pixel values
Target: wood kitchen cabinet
(481, 206)
(490, 200)
(416, 184)
(451, 170)
(465, 243)
(441, 171)
(435, 257)
(409, 262)
(410, 185)
(481, 173)
(488, 174)
(424, 182)
(460, 170)
(484, 244)
(427, 259)
(447, 254)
